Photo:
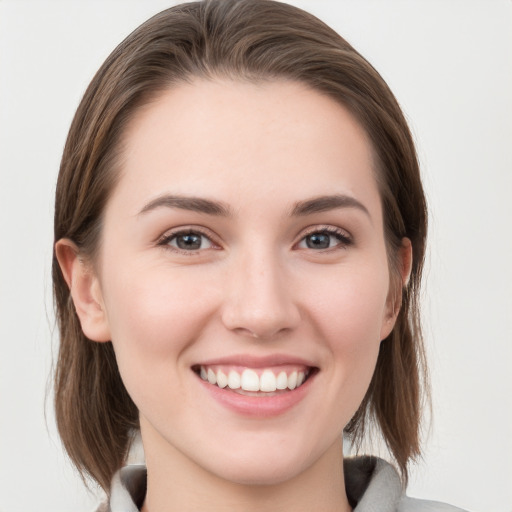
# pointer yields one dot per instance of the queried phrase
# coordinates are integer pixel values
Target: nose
(259, 298)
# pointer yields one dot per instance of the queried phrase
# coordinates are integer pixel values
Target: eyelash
(344, 239)
(166, 240)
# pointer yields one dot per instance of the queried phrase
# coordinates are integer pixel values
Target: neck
(177, 483)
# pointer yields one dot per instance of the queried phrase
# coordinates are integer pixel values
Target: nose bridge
(259, 300)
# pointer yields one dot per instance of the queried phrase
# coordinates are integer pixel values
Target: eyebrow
(218, 208)
(194, 204)
(326, 203)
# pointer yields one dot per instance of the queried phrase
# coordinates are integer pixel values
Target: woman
(240, 231)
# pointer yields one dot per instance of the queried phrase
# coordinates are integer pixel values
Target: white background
(450, 66)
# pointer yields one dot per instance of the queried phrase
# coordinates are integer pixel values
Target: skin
(253, 288)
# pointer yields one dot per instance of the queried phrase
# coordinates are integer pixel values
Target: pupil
(189, 241)
(318, 241)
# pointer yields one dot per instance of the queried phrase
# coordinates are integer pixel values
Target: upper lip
(251, 361)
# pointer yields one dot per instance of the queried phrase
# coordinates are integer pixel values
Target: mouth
(258, 381)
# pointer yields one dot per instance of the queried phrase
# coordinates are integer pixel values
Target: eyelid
(164, 239)
(346, 239)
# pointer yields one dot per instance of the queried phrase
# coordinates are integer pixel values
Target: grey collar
(372, 485)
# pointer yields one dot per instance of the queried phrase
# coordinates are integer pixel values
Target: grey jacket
(372, 485)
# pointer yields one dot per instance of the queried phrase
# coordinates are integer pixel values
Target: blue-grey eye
(318, 241)
(189, 241)
(324, 240)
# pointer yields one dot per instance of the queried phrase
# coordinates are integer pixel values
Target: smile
(255, 380)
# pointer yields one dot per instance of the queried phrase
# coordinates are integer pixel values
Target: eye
(326, 238)
(187, 241)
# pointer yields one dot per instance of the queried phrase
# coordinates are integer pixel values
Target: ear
(85, 291)
(394, 300)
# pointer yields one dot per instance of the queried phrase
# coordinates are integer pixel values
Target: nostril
(261, 334)
(261, 310)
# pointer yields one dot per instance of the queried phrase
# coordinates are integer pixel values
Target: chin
(258, 474)
(263, 464)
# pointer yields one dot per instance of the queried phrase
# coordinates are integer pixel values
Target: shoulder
(127, 490)
(414, 505)
(102, 508)
(373, 484)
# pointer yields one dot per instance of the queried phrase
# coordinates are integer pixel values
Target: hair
(253, 40)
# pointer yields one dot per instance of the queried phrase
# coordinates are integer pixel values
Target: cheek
(349, 313)
(153, 318)
(351, 307)
(156, 310)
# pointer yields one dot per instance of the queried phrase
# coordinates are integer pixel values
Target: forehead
(245, 140)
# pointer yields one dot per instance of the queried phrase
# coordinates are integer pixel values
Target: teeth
(268, 381)
(222, 379)
(292, 380)
(233, 379)
(282, 381)
(249, 380)
(212, 378)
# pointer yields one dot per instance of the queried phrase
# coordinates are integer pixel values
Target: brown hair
(248, 40)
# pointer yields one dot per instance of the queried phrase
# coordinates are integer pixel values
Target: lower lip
(258, 406)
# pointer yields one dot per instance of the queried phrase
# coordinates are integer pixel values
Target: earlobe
(394, 302)
(85, 291)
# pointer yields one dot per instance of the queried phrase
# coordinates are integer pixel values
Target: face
(244, 246)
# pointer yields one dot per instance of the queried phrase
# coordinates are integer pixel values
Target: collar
(370, 482)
